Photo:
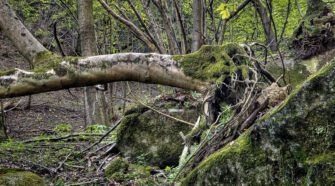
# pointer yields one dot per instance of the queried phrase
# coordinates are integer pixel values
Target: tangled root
(314, 36)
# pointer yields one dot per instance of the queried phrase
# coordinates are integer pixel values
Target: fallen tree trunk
(55, 73)
(52, 72)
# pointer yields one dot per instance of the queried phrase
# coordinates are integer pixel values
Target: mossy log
(292, 145)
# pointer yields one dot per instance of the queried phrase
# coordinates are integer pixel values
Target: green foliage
(226, 113)
(63, 128)
(97, 128)
(225, 8)
(116, 165)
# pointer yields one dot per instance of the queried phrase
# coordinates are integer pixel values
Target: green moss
(63, 128)
(135, 175)
(137, 109)
(293, 144)
(230, 151)
(119, 177)
(150, 139)
(48, 60)
(212, 63)
(314, 78)
(118, 165)
(7, 72)
(322, 158)
(12, 177)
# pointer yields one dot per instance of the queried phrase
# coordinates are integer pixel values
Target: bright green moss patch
(12, 177)
(212, 63)
(322, 158)
(117, 165)
(47, 60)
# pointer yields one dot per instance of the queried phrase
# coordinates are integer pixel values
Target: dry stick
(63, 162)
(59, 138)
(99, 149)
(57, 40)
(166, 115)
(35, 167)
(14, 107)
(145, 27)
(132, 27)
(82, 183)
(102, 164)
(181, 25)
(103, 137)
(286, 20)
(155, 110)
(269, 6)
(109, 150)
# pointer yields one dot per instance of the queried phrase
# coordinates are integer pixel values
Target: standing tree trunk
(198, 24)
(93, 112)
(3, 132)
(266, 23)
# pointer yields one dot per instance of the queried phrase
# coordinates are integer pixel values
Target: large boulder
(148, 137)
(292, 145)
(11, 177)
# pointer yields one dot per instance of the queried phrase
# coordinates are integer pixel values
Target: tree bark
(88, 48)
(266, 23)
(77, 72)
(23, 40)
(170, 33)
(198, 25)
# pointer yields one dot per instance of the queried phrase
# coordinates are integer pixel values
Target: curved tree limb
(53, 72)
(76, 72)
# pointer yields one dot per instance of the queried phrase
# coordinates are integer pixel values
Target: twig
(103, 137)
(62, 163)
(59, 138)
(82, 183)
(57, 40)
(159, 112)
(166, 115)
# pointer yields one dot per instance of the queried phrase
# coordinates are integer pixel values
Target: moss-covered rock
(297, 71)
(148, 137)
(12, 177)
(292, 145)
(120, 171)
(116, 165)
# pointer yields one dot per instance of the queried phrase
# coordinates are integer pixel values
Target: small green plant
(226, 113)
(141, 159)
(196, 95)
(96, 128)
(63, 128)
